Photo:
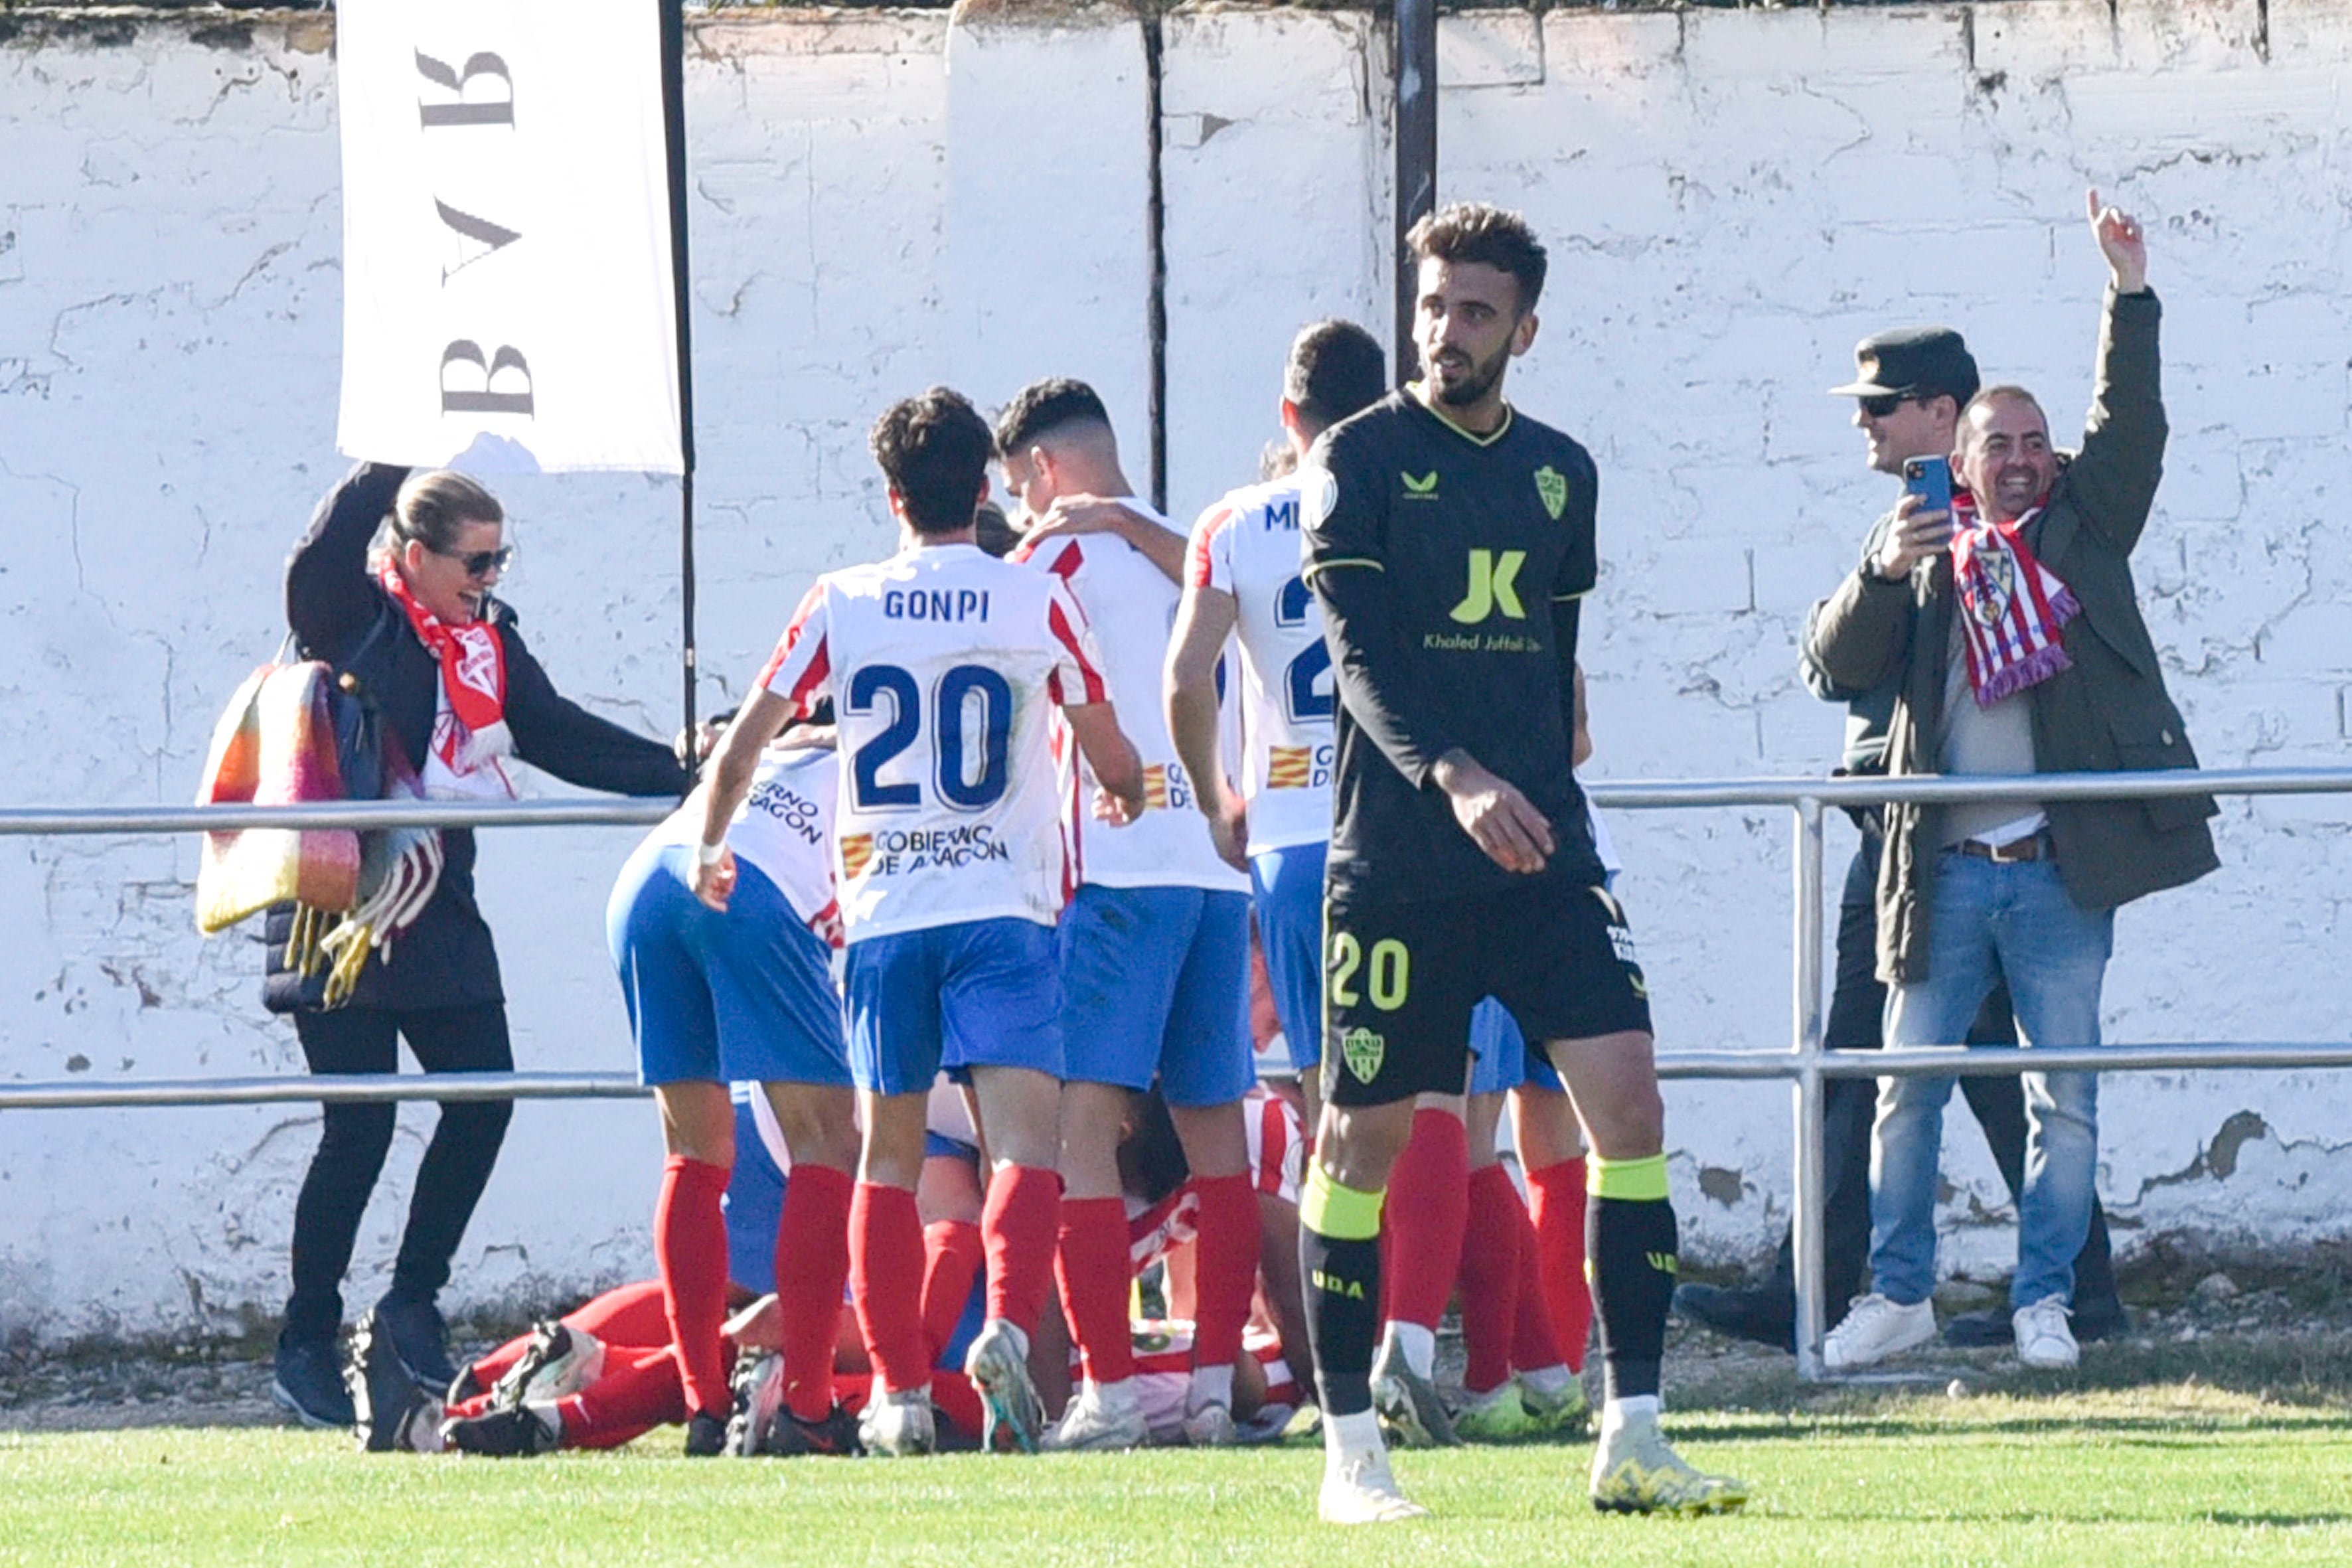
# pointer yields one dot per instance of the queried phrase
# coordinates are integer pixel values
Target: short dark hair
(2005, 393)
(1042, 407)
(1475, 231)
(933, 448)
(1336, 369)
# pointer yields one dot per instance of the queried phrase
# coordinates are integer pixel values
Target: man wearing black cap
(1910, 385)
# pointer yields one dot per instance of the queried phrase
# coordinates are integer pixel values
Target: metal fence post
(1805, 1199)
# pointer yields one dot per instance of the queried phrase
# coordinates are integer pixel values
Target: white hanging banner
(507, 296)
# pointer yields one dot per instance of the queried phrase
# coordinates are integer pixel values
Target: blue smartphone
(1930, 478)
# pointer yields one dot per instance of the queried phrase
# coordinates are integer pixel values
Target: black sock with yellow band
(1630, 1242)
(1340, 1265)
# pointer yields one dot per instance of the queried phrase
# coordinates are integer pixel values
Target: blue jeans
(1987, 920)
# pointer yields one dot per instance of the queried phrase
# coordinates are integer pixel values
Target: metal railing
(1807, 1063)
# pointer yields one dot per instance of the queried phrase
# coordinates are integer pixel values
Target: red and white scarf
(2012, 606)
(469, 725)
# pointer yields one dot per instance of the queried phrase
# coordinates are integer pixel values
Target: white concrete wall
(880, 202)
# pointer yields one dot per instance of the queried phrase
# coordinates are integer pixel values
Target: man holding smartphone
(1909, 387)
(2013, 632)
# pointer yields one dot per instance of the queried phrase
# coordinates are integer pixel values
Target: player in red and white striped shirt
(945, 667)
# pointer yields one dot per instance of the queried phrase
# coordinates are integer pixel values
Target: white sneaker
(1409, 1404)
(1875, 1328)
(1360, 1489)
(899, 1425)
(1100, 1419)
(1211, 1427)
(998, 1365)
(2044, 1338)
(759, 1386)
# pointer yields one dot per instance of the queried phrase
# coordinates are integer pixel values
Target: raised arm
(329, 596)
(2113, 479)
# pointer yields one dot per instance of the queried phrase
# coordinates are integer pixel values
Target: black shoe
(1983, 1330)
(390, 1408)
(836, 1435)
(2100, 1318)
(308, 1380)
(514, 1434)
(1765, 1316)
(706, 1435)
(419, 1337)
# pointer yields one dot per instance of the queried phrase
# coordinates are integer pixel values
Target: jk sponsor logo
(1494, 585)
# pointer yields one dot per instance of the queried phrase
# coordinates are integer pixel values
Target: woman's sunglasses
(482, 563)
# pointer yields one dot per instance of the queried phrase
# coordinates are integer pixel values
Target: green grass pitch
(2134, 1478)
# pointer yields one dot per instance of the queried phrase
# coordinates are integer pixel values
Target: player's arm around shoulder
(1077, 685)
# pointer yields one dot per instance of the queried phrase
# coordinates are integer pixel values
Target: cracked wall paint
(1732, 198)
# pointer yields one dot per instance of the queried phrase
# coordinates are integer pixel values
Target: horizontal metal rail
(345, 1089)
(1806, 1063)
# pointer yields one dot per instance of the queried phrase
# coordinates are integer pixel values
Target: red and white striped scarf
(470, 723)
(2012, 606)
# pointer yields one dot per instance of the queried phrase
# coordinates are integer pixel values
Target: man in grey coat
(2012, 629)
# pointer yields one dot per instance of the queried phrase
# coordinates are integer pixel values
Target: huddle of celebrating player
(1032, 814)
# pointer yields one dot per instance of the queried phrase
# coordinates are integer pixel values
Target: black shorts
(1400, 981)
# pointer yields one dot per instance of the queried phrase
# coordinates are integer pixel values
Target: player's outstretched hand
(1498, 817)
(2121, 242)
(715, 884)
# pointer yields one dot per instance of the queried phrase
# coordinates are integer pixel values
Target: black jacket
(339, 612)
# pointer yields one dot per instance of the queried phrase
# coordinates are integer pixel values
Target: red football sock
(1019, 1226)
(1096, 1272)
(1490, 1277)
(1556, 1195)
(634, 1395)
(1225, 1275)
(1428, 1209)
(886, 1281)
(813, 1260)
(1534, 1342)
(625, 1315)
(690, 1247)
(952, 1260)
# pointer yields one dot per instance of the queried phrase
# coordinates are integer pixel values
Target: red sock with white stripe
(952, 1260)
(1225, 1272)
(1556, 1198)
(1490, 1277)
(691, 1252)
(1019, 1227)
(886, 1282)
(1096, 1274)
(813, 1246)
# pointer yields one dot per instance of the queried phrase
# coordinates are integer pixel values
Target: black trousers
(1849, 1106)
(356, 1137)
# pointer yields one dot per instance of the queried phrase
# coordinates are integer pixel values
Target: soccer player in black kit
(1450, 540)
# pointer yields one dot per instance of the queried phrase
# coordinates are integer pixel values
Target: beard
(1474, 383)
